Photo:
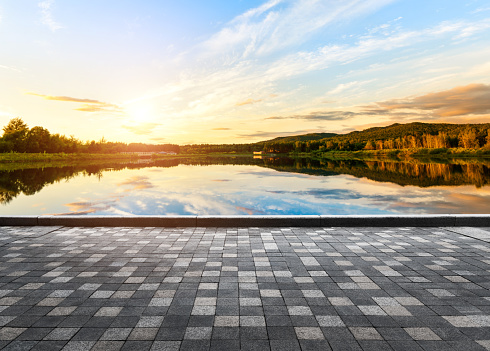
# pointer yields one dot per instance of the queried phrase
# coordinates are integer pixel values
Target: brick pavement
(228, 289)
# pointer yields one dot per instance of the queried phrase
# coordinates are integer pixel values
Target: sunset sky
(237, 71)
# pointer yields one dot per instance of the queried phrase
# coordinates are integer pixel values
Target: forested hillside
(303, 137)
(396, 136)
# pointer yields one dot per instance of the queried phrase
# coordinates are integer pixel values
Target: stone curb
(251, 221)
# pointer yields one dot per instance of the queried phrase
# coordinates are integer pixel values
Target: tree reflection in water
(29, 181)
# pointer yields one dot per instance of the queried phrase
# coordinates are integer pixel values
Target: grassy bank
(14, 157)
(14, 161)
(419, 153)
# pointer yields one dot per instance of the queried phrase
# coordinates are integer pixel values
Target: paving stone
(165, 346)
(365, 333)
(108, 345)
(136, 345)
(79, 345)
(20, 345)
(422, 334)
(309, 333)
(116, 334)
(61, 334)
(198, 333)
(244, 288)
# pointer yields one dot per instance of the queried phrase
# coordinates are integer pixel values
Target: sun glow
(141, 113)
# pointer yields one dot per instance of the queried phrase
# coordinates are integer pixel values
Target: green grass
(14, 161)
(403, 154)
(14, 157)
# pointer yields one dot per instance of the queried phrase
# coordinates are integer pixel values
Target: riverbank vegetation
(18, 137)
(443, 138)
(398, 140)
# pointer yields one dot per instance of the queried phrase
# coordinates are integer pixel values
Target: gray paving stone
(400, 288)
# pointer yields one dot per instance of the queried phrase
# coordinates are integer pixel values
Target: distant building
(149, 153)
(139, 153)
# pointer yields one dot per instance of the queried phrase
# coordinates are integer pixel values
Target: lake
(247, 186)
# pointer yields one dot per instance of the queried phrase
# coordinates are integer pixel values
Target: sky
(240, 71)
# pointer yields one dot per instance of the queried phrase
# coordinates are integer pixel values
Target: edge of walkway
(448, 220)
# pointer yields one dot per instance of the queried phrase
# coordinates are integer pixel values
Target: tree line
(18, 137)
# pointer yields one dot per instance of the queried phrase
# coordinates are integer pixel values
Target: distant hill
(303, 137)
(398, 130)
(393, 131)
(396, 136)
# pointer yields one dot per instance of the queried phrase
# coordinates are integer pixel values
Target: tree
(15, 133)
(469, 139)
(38, 140)
(487, 145)
(370, 145)
(15, 125)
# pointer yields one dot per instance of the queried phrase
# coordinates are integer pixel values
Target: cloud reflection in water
(245, 190)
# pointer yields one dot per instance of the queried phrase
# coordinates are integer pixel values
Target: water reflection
(224, 185)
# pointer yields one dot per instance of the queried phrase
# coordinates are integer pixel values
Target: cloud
(79, 208)
(262, 134)
(46, 15)
(481, 9)
(321, 116)
(142, 129)
(88, 105)
(472, 99)
(344, 115)
(10, 68)
(343, 87)
(248, 102)
(100, 108)
(349, 86)
(249, 211)
(158, 139)
(249, 55)
(66, 98)
(87, 207)
(277, 25)
(137, 183)
(221, 129)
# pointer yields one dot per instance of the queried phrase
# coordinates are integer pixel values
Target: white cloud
(47, 17)
(349, 86)
(270, 28)
(235, 64)
(10, 68)
(481, 9)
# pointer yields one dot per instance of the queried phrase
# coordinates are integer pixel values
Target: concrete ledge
(251, 221)
(118, 221)
(395, 221)
(472, 221)
(18, 220)
(258, 221)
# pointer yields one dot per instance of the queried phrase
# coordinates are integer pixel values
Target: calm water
(245, 186)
